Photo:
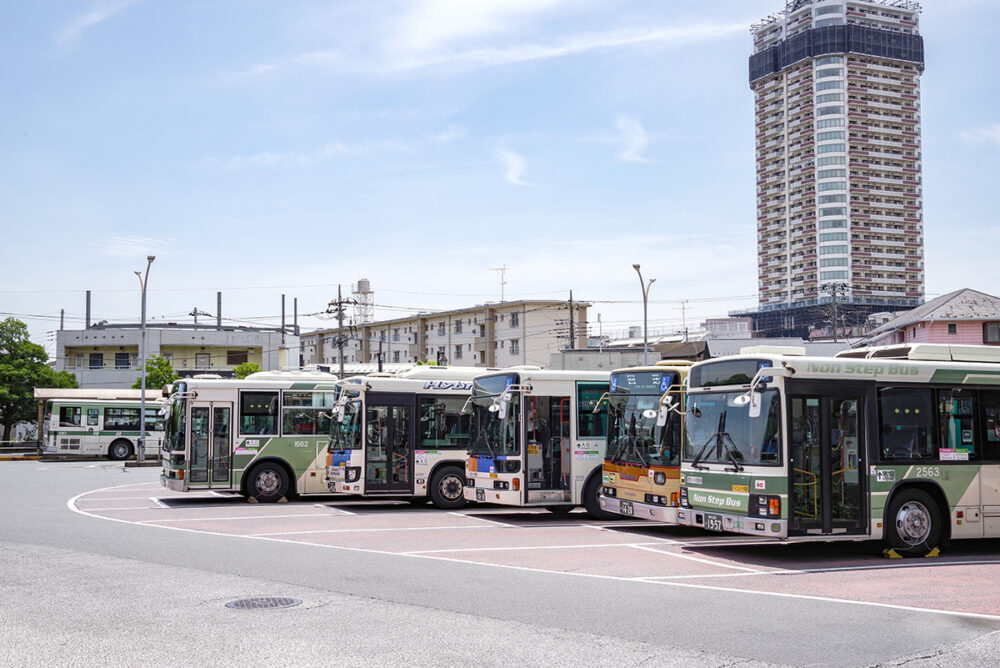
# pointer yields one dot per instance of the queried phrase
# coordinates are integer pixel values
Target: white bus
(403, 435)
(900, 443)
(537, 440)
(97, 423)
(265, 436)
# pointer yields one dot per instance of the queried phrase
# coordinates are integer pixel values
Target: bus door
(389, 438)
(547, 456)
(211, 444)
(826, 459)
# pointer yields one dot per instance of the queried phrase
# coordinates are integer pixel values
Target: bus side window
(92, 416)
(907, 424)
(989, 405)
(957, 439)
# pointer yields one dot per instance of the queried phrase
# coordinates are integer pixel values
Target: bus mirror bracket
(758, 385)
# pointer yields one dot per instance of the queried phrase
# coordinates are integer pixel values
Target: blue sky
(262, 148)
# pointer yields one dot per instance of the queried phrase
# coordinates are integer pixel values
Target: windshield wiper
(717, 439)
(727, 441)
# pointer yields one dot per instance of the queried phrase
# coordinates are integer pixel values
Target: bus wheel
(913, 523)
(448, 488)
(592, 500)
(267, 483)
(119, 450)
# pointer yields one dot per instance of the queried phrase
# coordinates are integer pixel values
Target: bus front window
(346, 432)
(634, 435)
(173, 438)
(494, 429)
(719, 430)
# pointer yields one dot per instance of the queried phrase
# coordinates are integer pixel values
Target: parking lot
(960, 581)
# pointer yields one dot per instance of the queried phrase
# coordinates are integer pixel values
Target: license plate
(625, 508)
(713, 522)
(480, 495)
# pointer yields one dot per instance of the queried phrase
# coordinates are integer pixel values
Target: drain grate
(263, 603)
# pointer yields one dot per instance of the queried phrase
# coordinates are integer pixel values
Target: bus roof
(929, 352)
(74, 394)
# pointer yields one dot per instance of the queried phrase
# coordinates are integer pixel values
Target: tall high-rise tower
(839, 204)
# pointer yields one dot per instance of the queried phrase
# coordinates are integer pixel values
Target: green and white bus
(538, 439)
(265, 436)
(899, 443)
(403, 435)
(97, 422)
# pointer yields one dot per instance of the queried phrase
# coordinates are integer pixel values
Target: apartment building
(107, 355)
(489, 335)
(839, 199)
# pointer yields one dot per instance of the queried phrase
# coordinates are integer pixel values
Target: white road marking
(158, 502)
(699, 560)
(338, 511)
(523, 548)
(71, 505)
(483, 519)
(386, 530)
(224, 519)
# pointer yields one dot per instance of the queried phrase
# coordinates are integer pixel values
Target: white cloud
(98, 14)
(989, 134)
(633, 138)
(515, 167)
(333, 150)
(434, 24)
(571, 46)
(139, 247)
(389, 59)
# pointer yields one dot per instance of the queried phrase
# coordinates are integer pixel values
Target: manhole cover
(263, 603)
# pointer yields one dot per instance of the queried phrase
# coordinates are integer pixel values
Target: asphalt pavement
(82, 590)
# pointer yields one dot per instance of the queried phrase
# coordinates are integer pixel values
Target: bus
(403, 435)
(97, 423)
(899, 444)
(640, 476)
(264, 436)
(537, 439)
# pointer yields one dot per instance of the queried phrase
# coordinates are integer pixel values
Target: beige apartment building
(488, 335)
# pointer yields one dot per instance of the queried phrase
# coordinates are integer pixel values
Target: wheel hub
(912, 522)
(267, 482)
(451, 487)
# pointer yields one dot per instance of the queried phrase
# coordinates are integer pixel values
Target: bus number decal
(300, 444)
(928, 471)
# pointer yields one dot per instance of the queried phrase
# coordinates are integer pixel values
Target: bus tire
(267, 482)
(592, 500)
(119, 450)
(448, 488)
(912, 523)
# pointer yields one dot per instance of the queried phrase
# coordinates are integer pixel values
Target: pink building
(960, 317)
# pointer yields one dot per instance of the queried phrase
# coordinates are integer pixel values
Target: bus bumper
(723, 522)
(478, 491)
(643, 511)
(173, 483)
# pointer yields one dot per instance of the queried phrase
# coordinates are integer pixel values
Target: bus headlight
(684, 498)
(352, 473)
(762, 505)
(660, 478)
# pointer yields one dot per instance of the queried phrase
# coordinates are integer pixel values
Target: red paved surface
(963, 579)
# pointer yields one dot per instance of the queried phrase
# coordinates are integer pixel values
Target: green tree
(23, 368)
(158, 373)
(245, 369)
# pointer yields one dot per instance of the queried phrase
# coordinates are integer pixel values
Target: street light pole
(645, 311)
(143, 280)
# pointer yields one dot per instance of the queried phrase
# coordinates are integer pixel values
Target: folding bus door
(389, 438)
(826, 453)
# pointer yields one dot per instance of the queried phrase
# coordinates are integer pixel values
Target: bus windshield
(173, 439)
(495, 417)
(634, 436)
(720, 431)
(346, 433)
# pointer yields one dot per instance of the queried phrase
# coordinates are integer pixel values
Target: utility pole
(572, 345)
(337, 308)
(380, 355)
(196, 313)
(502, 269)
(834, 290)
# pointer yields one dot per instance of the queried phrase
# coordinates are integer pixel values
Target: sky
(264, 148)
